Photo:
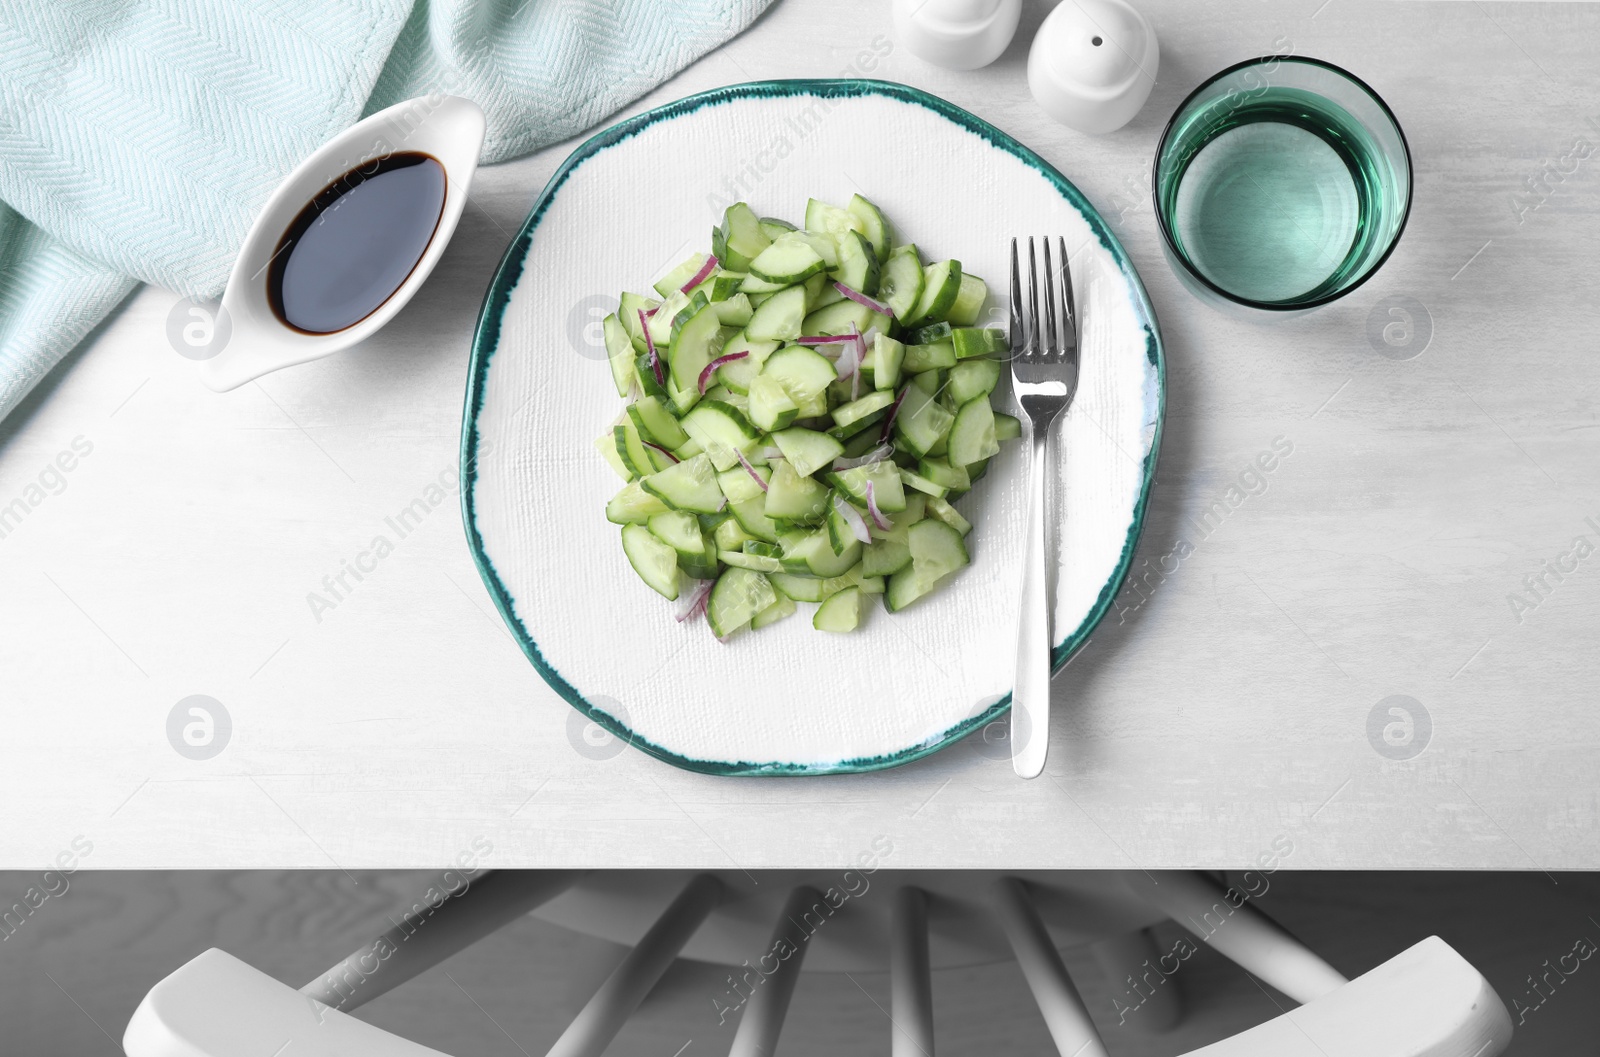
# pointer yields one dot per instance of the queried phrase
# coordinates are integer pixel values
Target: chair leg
(449, 919)
(762, 1019)
(592, 1030)
(1224, 918)
(1064, 1013)
(910, 983)
(1131, 962)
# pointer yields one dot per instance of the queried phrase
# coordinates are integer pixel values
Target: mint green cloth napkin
(138, 139)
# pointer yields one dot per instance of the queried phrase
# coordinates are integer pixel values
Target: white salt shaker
(956, 34)
(1093, 63)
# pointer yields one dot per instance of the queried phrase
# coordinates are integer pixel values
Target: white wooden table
(1220, 716)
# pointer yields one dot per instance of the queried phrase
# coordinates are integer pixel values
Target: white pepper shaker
(1093, 63)
(956, 34)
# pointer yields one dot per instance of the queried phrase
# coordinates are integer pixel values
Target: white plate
(638, 198)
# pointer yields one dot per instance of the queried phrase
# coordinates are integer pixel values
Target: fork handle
(1030, 695)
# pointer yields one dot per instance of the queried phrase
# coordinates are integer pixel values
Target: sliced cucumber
(675, 279)
(783, 607)
(940, 284)
(722, 430)
(786, 262)
(971, 379)
(929, 334)
(770, 406)
(920, 358)
(838, 317)
(779, 317)
(794, 497)
(858, 264)
(938, 508)
(887, 489)
(631, 450)
(806, 450)
(738, 485)
(654, 561)
(734, 311)
(628, 308)
(804, 373)
(940, 472)
(772, 227)
(738, 596)
(742, 237)
(968, 304)
(813, 552)
(730, 535)
(633, 505)
(743, 560)
(888, 355)
(690, 485)
(900, 286)
(824, 219)
(922, 422)
(886, 556)
(656, 424)
(737, 374)
(619, 351)
(875, 403)
(693, 347)
(873, 226)
(936, 551)
(922, 484)
(972, 436)
(978, 341)
(1006, 427)
(750, 516)
(841, 612)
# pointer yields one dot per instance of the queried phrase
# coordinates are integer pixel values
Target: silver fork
(1044, 375)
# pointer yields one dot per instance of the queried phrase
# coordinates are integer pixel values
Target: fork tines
(1025, 331)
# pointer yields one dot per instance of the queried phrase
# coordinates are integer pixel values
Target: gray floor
(74, 970)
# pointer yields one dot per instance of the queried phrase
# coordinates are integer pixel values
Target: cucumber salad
(803, 405)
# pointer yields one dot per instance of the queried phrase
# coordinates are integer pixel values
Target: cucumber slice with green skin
(679, 530)
(968, 305)
(826, 246)
(815, 554)
(922, 422)
(858, 264)
(807, 451)
(900, 285)
(921, 484)
(654, 561)
(766, 550)
(697, 301)
(972, 436)
(679, 275)
(742, 237)
(937, 551)
(738, 596)
(929, 334)
(695, 345)
(772, 227)
(841, 612)
(971, 342)
(690, 485)
(940, 472)
(778, 318)
(920, 358)
(628, 308)
(860, 444)
(796, 587)
(793, 497)
(734, 311)
(659, 323)
(837, 318)
(633, 505)
(786, 262)
(943, 511)
(971, 379)
(722, 429)
(887, 490)
(930, 382)
(1006, 427)
(606, 445)
(656, 424)
(631, 450)
(770, 406)
(619, 352)
(855, 411)
(804, 373)
(840, 534)
(741, 560)
(783, 607)
(723, 285)
(755, 288)
(818, 287)
(885, 557)
(730, 535)
(888, 358)
(873, 226)
(738, 485)
(737, 374)
(824, 219)
(750, 516)
(940, 284)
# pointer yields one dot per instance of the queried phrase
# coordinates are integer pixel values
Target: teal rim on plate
(486, 339)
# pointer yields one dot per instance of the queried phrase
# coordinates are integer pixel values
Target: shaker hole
(1096, 42)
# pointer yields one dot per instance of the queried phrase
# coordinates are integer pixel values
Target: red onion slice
(700, 276)
(751, 470)
(662, 450)
(858, 525)
(711, 368)
(872, 508)
(878, 454)
(693, 604)
(862, 299)
(894, 409)
(655, 360)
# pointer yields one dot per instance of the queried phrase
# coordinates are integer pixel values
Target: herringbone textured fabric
(138, 138)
